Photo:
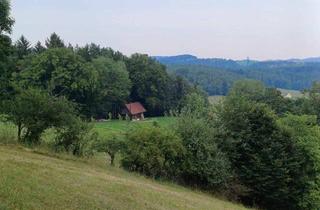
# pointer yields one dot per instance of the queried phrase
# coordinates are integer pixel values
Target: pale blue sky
(260, 29)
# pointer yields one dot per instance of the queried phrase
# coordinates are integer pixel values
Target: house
(135, 111)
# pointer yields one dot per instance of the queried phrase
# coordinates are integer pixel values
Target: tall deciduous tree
(260, 152)
(113, 85)
(150, 83)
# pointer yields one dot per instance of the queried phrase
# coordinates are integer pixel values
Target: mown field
(120, 127)
(284, 92)
(31, 179)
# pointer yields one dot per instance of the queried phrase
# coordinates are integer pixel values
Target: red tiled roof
(135, 108)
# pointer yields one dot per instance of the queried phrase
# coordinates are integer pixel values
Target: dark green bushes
(154, 152)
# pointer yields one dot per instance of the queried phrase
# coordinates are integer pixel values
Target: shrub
(153, 151)
(75, 137)
(204, 164)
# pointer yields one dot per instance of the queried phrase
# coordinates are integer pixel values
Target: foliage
(111, 146)
(204, 164)
(150, 83)
(6, 22)
(33, 111)
(75, 137)
(113, 84)
(153, 151)
(306, 134)
(23, 47)
(260, 152)
(255, 91)
(62, 73)
(216, 76)
(38, 48)
(54, 41)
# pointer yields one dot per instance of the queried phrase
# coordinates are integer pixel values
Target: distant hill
(216, 75)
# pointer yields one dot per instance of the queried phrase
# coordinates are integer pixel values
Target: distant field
(215, 99)
(34, 180)
(293, 93)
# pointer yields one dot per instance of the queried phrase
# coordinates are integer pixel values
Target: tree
(150, 83)
(75, 136)
(62, 73)
(110, 146)
(257, 92)
(305, 134)
(6, 22)
(260, 152)
(251, 89)
(314, 100)
(204, 164)
(54, 41)
(23, 47)
(113, 85)
(38, 48)
(33, 111)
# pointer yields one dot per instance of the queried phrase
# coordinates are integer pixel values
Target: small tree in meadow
(34, 111)
(111, 146)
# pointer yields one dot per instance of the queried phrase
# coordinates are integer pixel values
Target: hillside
(34, 180)
(216, 75)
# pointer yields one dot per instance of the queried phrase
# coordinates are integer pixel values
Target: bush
(75, 137)
(153, 151)
(204, 164)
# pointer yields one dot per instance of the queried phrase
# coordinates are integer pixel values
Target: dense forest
(216, 76)
(98, 79)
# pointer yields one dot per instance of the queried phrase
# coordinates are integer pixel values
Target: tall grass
(8, 133)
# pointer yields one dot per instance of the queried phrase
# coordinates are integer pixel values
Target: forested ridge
(216, 76)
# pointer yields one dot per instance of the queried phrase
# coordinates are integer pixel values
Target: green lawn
(116, 127)
(34, 180)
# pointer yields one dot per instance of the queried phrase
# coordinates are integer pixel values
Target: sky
(233, 29)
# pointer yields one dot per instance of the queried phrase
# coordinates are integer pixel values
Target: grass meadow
(36, 178)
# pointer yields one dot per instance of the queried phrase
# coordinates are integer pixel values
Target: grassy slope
(30, 180)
